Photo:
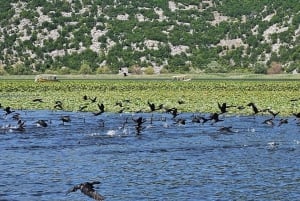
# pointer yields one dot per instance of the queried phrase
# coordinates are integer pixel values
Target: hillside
(100, 36)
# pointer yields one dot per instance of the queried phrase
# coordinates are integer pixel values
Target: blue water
(166, 161)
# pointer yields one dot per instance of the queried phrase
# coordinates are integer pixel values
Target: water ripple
(164, 161)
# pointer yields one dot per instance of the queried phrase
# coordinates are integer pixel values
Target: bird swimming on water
(42, 123)
(8, 110)
(87, 188)
(65, 118)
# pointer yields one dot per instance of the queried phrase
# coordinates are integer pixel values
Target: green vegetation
(78, 36)
(198, 95)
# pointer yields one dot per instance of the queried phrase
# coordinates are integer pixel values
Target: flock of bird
(88, 187)
(173, 111)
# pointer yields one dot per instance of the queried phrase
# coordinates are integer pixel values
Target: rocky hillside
(171, 36)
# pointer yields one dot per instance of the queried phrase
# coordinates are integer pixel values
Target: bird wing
(89, 190)
(73, 189)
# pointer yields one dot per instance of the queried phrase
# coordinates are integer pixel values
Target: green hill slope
(174, 36)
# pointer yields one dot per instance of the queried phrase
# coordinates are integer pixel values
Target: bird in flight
(87, 188)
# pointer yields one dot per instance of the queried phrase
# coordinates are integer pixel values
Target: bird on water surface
(65, 118)
(87, 188)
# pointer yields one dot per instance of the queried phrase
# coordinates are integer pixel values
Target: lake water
(165, 161)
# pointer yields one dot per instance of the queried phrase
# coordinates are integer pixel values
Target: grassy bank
(201, 95)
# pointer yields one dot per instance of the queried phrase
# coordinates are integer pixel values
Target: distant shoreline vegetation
(196, 96)
(97, 36)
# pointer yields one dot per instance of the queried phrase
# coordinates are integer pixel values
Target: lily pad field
(150, 139)
(124, 95)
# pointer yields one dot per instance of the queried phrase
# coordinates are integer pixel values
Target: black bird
(282, 121)
(119, 103)
(87, 188)
(196, 119)
(274, 114)
(223, 107)
(139, 121)
(226, 129)
(82, 107)
(85, 97)
(180, 102)
(58, 105)
(215, 117)
(180, 121)
(254, 108)
(173, 111)
(297, 114)
(269, 122)
(65, 118)
(21, 126)
(204, 120)
(16, 116)
(42, 123)
(8, 110)
(37, 100)
(101, 109)
(153, 108)
(93, 99)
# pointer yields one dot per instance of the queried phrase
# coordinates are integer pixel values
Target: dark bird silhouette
(180, 121)
(87, 188)
(101, 109)
(139, 121)
(274, 114)
(153, 108)
(8, 110)
(254, 108)
(204, 120)
(282, 121)
(65, 119)
(119, 103)
(295, 99)
(215, 118)
(16, 116)
(21, 126)
(82, 107)
(297, 114)
(173, 111)
(93, 99)
(226, 129)
(196, 119)
(58, 105)
(223, 107)
(180, 102)
(85, 97)
(42, 123)
(37, 100)
(199, 119)
(269, 122)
